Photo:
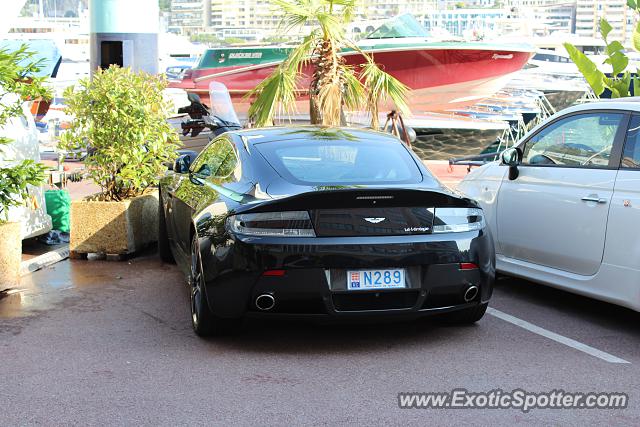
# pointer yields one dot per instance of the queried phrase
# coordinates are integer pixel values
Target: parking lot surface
(95, 342)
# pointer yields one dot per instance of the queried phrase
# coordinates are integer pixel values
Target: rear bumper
(314, 283)
(361, 316)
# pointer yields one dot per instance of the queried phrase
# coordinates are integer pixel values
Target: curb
(44, 260)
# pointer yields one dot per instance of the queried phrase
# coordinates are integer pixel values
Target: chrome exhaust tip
(471, 293)
(265, 302)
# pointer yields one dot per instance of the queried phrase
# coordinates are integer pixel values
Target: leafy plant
(164, 5)
(233, 40)
(334, 85)
(17, 85)
(276, 39)
(120, 120)
(620, 79)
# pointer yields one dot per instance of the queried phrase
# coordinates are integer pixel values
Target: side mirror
(512, 157)
(203, 173)
(182, 163)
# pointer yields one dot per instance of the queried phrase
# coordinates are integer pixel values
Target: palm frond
(347, 9)
(354, 90)
(277, 93)
(382, 87)
(276, 90)
(295, 13)
(301, 55)
(331, 26)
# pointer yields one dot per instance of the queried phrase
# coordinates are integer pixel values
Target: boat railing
(510, 137)
(471, 161)
(588, 96)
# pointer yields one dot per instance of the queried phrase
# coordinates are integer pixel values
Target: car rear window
(341, 162)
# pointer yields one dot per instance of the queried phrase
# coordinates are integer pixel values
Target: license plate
(375, 279)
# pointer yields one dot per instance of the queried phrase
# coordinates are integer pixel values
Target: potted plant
(120, 122)
(18, 84)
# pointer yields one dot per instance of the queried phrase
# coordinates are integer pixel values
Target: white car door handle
(594, 199)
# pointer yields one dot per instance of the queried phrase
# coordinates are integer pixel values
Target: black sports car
(310, 221)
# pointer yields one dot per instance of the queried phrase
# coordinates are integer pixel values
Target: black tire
(164, 250)
(203, 321)
(468, 316)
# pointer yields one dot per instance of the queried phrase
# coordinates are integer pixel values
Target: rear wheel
(163, 239)
(202, 319)
(468, 316)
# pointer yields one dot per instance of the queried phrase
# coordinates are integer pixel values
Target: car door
(554, 213)
(622, 246)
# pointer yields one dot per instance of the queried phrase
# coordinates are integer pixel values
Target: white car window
(582, 140)
(631, 155)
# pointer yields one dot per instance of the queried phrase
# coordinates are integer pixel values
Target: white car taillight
(276, 224)
(457, 220)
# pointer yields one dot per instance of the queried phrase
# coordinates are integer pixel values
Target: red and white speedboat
(442, 75)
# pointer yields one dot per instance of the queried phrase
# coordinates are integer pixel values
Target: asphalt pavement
(110, 343)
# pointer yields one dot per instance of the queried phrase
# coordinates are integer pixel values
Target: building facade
(257, 19)
(253, 19)
(464, 22)
(189, 16)
(616, 12)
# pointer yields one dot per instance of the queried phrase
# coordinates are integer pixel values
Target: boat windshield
(402, 26)
(221, 104)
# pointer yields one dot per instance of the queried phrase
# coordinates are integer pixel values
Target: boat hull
(439, 76)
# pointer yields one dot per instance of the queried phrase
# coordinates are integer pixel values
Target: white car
(563, 205)
(32, 214)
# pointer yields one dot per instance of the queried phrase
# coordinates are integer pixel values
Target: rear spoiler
(359, 198)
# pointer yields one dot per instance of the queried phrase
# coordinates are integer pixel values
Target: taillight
(274, 273)
(277, 224)
(468, 266)
(457, 220)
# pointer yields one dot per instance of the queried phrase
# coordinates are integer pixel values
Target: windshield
(402, 26)
(221, 105)
(341, 162)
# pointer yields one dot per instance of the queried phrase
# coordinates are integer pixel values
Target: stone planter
(10, 254)
(119, 228)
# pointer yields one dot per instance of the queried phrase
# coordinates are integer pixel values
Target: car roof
(630, 104)
(297, 132)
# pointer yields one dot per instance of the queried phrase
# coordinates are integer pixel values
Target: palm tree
(334, 84)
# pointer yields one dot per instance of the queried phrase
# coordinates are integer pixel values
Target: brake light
(273, 273)
(468, 266)
(457, 220)
(276, 224)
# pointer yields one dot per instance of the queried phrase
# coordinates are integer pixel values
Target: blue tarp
(43, 49)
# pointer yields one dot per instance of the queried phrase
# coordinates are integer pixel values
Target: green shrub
(120, 118)
(18, 84)
(621, 78)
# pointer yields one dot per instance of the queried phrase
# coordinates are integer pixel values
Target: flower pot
(120, 228)
(10, 254)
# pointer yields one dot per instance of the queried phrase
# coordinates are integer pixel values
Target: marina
(467, 98)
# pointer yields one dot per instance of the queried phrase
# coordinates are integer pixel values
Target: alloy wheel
(196, 284)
